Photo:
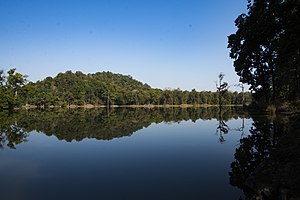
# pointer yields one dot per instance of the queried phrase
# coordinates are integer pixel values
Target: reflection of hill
(102, 125)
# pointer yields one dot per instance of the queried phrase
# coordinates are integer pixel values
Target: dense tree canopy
(266, 49)
(100, 89)
(106, 88)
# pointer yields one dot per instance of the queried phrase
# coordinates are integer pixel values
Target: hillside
(100, 89)
(107, 88)
(78, 88)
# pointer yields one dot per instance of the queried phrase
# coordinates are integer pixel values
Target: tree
(15, 80)
(265, 49)
(9, 87)
(288, 60)
(222, 88)
(193, 97)
(2, 78)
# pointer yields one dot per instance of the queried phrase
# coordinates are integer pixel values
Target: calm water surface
(120, 154)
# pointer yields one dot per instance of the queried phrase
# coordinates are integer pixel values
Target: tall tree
(222, 88)
(9, 87)
(15, 80)
(259, 48)
(289, 51)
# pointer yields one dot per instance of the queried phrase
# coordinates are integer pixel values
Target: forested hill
(100, 89)
(79, 88)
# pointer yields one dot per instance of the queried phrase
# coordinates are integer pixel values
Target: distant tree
(15, 80)
(9, 87)
(222, 88)
(185, 97)
(2, 78)
(193, 97)
(241, 85)
(135, 94)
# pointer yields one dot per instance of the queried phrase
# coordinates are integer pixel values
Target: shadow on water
(100, 124)
(266, 164)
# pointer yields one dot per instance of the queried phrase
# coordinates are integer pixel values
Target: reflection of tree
(253, 157)
(223, 116)
(242, 127)
(253, 149)
(97, 123)
(222, 128)
(11, 134)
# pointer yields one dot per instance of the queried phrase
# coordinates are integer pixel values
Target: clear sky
(165, 43)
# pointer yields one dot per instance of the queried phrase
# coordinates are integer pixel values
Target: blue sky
(165, 43)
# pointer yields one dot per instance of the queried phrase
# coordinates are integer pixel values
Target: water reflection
(178, 161)
(11, 134)
(101, 124)
(260, 164)
(222, 127)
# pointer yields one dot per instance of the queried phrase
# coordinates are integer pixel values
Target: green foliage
(100, 89)
(77, 88)
(265, 49)
(106, 88)
(10, 86)
(2, 78)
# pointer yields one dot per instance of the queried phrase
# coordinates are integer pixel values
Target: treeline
(103, 89)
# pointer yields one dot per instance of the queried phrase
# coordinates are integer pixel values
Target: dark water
(120, 154)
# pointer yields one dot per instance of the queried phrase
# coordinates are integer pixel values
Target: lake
(123, 153)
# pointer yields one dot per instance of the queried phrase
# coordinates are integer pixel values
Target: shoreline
(90, 106)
